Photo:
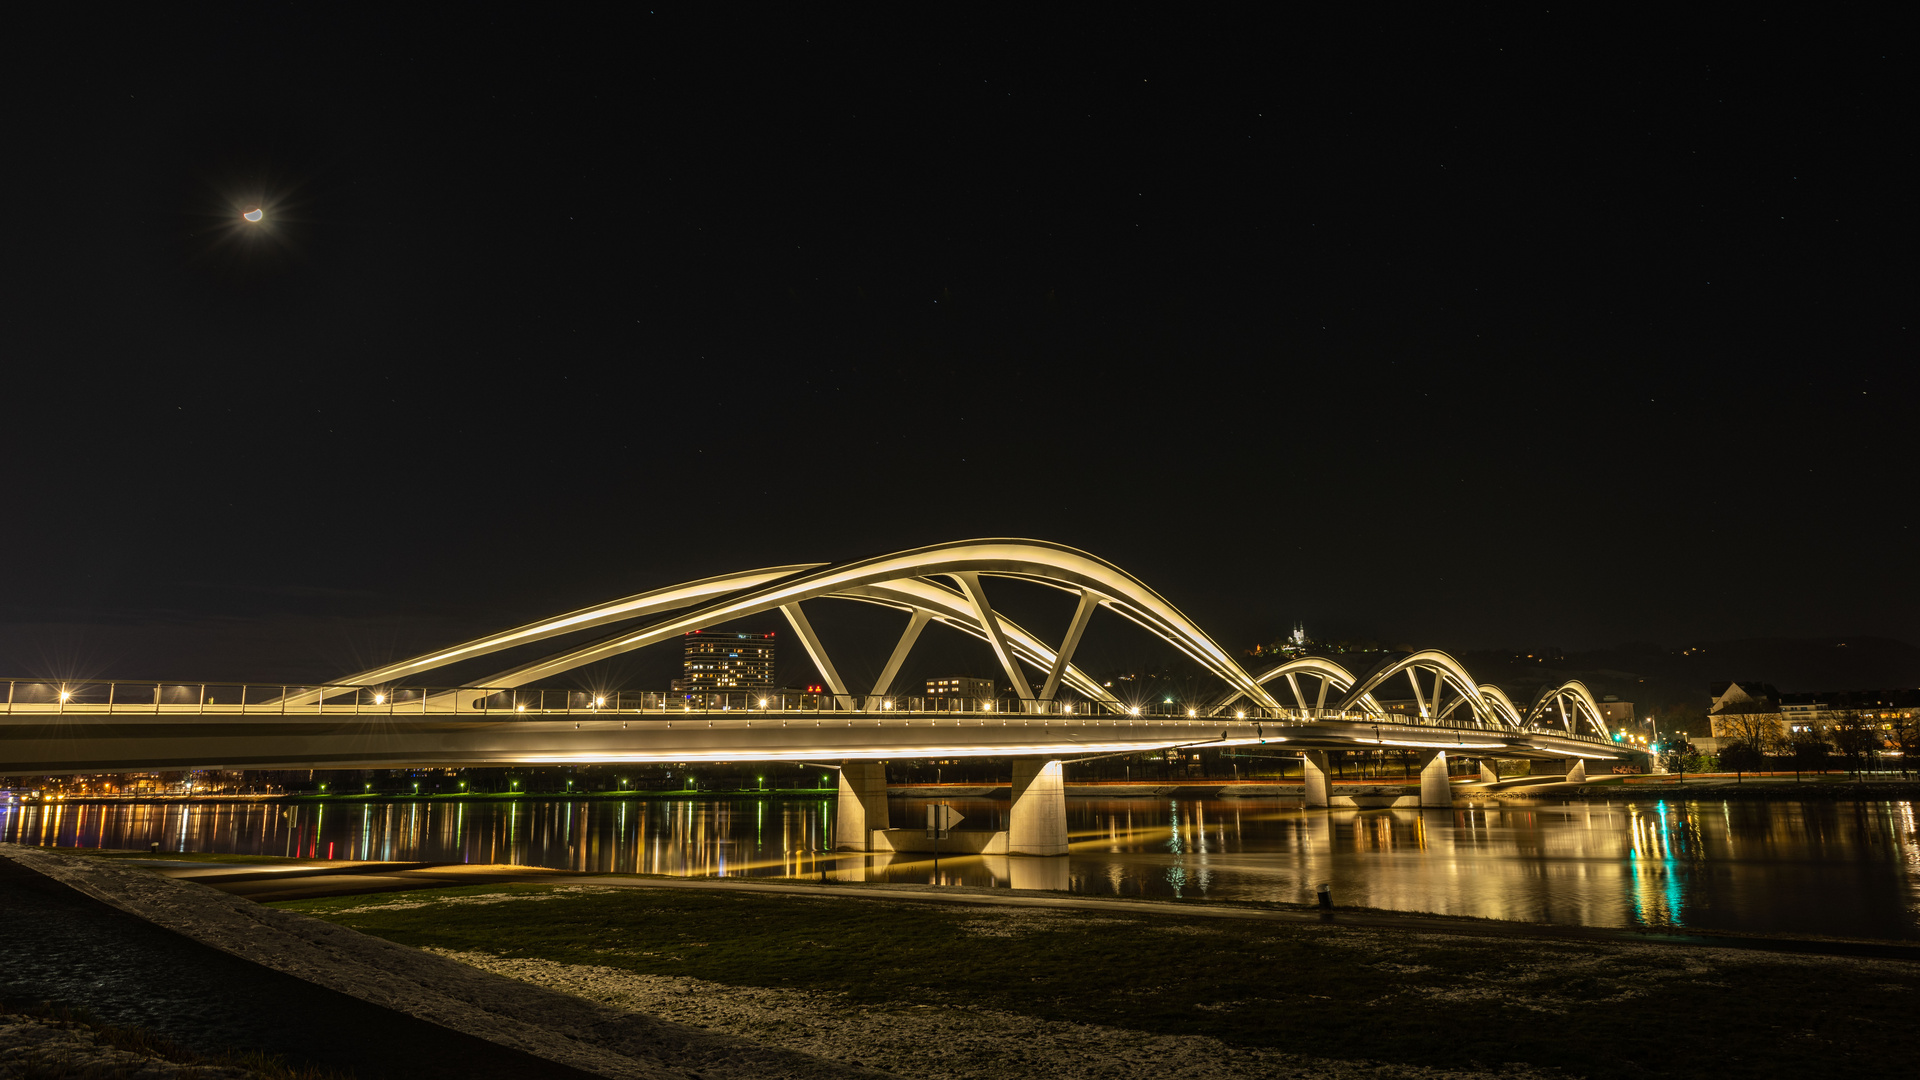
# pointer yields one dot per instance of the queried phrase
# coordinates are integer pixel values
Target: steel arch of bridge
(942, 584)
(1571, 703)
(908, 581)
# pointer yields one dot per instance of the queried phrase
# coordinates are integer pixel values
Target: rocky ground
(944, 1042)
(42, 1048)
(939, 990)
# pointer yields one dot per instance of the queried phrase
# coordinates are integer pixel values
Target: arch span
(943, 583)
(1331, 675)
(1447, 674)
(902, 580)
(1573, 703)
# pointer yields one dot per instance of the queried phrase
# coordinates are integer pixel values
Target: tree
(1856, 737)
(1905, 736)
(1677, 755)
(1741, 756)
(1683, 716)
(1760, 730)
(1809, 750)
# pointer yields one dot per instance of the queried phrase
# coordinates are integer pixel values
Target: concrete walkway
(63, 946)
(232, 973)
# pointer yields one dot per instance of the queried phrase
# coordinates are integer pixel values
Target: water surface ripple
(1818, 867)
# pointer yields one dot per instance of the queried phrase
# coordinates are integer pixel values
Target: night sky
(1467, 333)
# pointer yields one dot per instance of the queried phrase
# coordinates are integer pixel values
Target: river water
(1833, 868)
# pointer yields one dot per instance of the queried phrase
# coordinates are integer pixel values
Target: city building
(1747, 708)
(1615, 712)
(1618, 716)
(1757, 708)
(961, 687)
(726, 661)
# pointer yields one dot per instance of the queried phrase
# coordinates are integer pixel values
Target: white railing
(133, 698)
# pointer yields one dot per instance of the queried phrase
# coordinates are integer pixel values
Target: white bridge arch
(907, 581)
(942, 583)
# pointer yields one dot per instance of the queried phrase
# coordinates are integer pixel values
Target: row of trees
(1857, 740)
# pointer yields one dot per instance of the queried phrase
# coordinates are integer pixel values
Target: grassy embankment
(1592, 1009)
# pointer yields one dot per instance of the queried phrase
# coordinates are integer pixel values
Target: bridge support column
(1487, 775)
(1313, 770)
(1435, 789)
(1038, 823)
(862, 806)
(1577, 772)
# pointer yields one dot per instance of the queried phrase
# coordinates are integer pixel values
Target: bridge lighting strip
(1437, 745)
(865, 754)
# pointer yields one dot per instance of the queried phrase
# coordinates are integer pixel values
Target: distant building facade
(726, 661)
(1757, 708)
(960, 688)
(1744, 708)
(1615, 712)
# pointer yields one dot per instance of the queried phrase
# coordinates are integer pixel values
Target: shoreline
(624, 975)
(1651, 788)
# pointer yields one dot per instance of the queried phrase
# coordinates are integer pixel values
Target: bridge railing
(162, 698)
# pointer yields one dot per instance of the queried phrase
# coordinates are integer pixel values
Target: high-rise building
(725, 661)
(961, 687)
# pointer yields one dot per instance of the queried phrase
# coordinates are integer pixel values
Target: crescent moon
(253, 215)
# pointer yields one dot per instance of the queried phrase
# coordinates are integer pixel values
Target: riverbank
(1720, 788)
(952, 990)
(993, 983)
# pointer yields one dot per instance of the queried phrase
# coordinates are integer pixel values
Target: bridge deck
(100, 740)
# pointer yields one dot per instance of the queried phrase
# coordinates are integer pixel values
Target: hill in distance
(1661, 677)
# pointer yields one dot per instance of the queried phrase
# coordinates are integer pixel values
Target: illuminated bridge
(386, 717)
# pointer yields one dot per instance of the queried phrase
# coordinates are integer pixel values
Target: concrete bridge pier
(862, 806)
(1313, 771)
(1487, 775)
(1435, 789)
(1574, 769)
(1049, 873)
(1037, 824)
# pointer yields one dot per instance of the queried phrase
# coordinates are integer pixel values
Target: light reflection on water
(1838, 868)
